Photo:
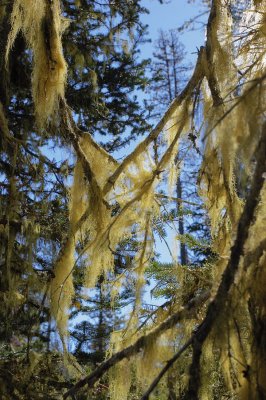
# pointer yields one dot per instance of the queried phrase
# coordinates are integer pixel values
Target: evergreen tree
(102, 49)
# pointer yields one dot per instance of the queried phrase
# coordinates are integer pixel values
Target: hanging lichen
(42, 25)
(62, 290)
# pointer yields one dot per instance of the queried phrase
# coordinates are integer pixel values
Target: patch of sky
(173, 15)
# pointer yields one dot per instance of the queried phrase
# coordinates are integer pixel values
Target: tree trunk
(181, 229)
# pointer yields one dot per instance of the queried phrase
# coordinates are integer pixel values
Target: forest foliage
(78, 231)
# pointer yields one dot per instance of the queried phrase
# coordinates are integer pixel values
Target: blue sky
(171, 15)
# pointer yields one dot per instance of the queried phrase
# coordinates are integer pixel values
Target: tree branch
(129, 351)
(169, 363)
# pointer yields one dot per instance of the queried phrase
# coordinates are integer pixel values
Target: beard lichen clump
(42, 25)
(61, 288)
